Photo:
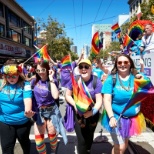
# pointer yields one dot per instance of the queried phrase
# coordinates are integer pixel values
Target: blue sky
(77, 15)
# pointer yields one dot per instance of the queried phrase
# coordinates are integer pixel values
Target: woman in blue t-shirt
(15, 109)
(118, 89)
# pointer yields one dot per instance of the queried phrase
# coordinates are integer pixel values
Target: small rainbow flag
(96, 44)
(119, 35)
(116, 28)
(142, 87)
(81, 96)
(42, 54)
(66, 62)
(128, 42)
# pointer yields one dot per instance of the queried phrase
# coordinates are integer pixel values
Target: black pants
(9, 134)
(85, 135)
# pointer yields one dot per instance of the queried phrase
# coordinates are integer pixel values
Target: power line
(74, 18)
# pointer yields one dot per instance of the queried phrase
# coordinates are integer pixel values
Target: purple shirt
(42, 94)
(89, 85)
(65, 74)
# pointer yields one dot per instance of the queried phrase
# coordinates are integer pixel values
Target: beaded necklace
(146, 38)
(127, 89)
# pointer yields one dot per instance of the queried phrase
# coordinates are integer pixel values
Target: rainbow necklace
(15, 90)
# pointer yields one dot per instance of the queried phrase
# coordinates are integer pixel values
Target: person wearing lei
(15, 108)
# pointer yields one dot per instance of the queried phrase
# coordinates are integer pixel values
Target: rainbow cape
(127, 42)
(81, 95)
(96, 45)
(142, 89)
(116, 28)
(66, 62)
(42, 54)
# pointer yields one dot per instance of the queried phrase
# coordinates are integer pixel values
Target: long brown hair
(43, 64)
(132, 66)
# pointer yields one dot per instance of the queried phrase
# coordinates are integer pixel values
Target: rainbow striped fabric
(142, 87)
(42, 54)
(128, 41)
(116, 28)
(81, 95)
(66, 62)
(136, 27)
(96, 44)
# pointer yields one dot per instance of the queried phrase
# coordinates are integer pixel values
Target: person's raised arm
(81, 57)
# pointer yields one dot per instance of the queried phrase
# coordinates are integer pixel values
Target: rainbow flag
(136, 28)
(96, 44)
(42, 54)
(66, 62)
(81, 96)
(116, 28)
(119, 35)
(142, 87)
(128, 42)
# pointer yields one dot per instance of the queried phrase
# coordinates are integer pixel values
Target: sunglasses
(85, 67)
(43, 70)
(13, 76)
(124, 62)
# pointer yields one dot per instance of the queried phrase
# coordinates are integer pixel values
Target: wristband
(94, 110)
(111, 117)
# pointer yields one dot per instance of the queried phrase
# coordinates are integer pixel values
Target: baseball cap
(87, 61)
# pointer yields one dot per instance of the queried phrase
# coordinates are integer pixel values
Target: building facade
(86, 50)
(74, 49)
(133, 5)
(104, 32)
(16, 31)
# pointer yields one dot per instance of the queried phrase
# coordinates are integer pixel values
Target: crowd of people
(29, 95)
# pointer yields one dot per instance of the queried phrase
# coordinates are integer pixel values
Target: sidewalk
(145, 143)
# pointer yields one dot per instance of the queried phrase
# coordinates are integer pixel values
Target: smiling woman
(86, 119)
(15, 108)
(116, 97)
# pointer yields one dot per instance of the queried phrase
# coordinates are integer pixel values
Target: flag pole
(32, 55)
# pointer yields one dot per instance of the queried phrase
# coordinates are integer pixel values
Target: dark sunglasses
(43, 70)
(86, 67)
(124, 62)
(13, 76)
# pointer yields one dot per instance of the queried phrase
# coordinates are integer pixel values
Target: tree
(58, 43)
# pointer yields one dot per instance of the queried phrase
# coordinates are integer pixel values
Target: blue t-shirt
(120, 96)
(12, 103)
(98, 72)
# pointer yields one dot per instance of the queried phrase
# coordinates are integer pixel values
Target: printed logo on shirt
(27, 88)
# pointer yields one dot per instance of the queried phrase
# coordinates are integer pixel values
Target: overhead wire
(74, 18)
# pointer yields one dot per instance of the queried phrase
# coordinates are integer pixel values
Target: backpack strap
(114, 79)
(94, 81)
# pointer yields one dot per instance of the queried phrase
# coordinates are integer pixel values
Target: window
(14, 19)
(27, 28)
(2, 32)
(28, 41)
(14, 36)
(1, 10)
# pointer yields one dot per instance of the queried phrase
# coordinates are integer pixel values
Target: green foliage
(58, 43)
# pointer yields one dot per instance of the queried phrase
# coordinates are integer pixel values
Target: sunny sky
(77, 15)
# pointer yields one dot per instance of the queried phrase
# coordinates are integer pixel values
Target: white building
(133, 5)
(86, 50)
(105, 33)
(74, 49)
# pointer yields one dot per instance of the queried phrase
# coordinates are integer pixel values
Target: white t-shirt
(148, 43)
